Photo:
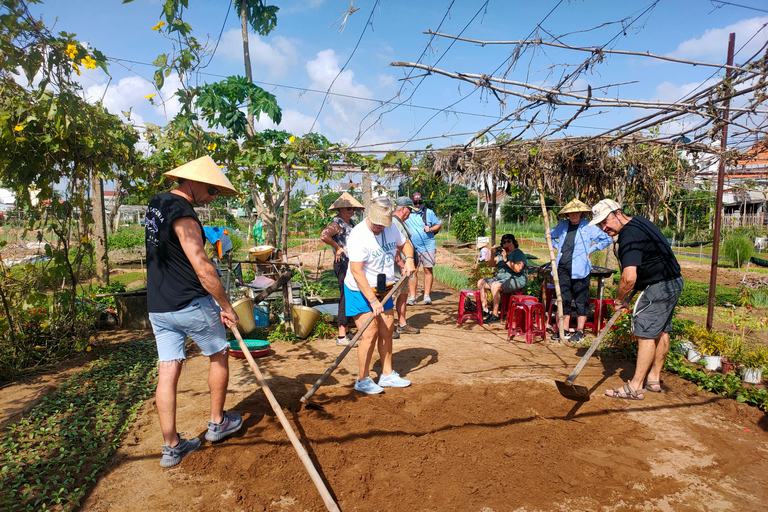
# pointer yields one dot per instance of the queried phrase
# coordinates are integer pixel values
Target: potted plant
(754, 359)
(734, 348)
(712, 345)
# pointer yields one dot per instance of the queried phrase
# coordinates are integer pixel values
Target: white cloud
(669, 92)
(293, 121)
(274, 57)
(341, 114)
(713, 45)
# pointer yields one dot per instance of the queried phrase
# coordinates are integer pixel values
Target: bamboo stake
(552, 259)
(302, 453)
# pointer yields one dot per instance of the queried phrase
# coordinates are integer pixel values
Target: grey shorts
(427, 258)
(653, 310)
(507, 285)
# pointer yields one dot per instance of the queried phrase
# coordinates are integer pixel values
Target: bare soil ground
(482, 428)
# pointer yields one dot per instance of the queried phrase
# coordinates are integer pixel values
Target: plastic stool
(517, 297)
(529, 320)
(601, 314)
(477, 313)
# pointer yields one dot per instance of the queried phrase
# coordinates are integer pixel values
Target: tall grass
(456, 279)
(759, 297)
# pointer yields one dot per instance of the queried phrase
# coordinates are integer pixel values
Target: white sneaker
(393, 380)
(411, 301)
(427, 300)
(368, 386)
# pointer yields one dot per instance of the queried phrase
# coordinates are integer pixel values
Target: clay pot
(727, 366)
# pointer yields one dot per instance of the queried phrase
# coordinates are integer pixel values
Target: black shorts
(576, 290)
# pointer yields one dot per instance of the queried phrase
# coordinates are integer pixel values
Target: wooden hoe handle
(313, 474)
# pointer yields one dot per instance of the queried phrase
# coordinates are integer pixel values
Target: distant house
(485, 202)
(7, 200)
(310, 201)
(345, 187)
(745, 195)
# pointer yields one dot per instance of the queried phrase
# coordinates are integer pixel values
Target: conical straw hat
(204, 170)
(345, 200)
(575, 206)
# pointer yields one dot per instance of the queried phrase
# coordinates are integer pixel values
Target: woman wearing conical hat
(575, 240)
(335, 235)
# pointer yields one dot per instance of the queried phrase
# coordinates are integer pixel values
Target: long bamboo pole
(313, 474)
(552, 260)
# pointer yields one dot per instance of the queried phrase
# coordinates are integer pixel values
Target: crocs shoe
(172, 455)
(230, 424)
(393, 380)
(411, 301)
(368, 386)
(427, 300)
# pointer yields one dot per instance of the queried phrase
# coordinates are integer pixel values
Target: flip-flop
(649, 383)
(626, 393)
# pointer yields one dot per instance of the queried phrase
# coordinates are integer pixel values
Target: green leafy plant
(324, 328)
(51, 457)
(755, 356)
(126, 238)
(468, 225)
(697, 294)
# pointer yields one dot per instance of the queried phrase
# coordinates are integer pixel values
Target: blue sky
(307, 51)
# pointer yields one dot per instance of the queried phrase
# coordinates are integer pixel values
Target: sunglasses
(349, 208)
(418, 202)
(213, 191)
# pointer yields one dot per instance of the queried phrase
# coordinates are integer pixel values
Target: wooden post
(287, 287)
(553, 261)
(719, 203)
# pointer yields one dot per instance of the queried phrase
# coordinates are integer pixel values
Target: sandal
(626, 393)
(656, 383)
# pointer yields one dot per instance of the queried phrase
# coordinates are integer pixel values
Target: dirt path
(482, 428)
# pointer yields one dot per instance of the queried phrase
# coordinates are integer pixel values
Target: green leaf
(159, 78)
(161, 61)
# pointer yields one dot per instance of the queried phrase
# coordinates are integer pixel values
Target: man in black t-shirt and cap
(649, 266)
(182, 284)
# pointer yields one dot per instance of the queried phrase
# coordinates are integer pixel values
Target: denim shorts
(200, 321)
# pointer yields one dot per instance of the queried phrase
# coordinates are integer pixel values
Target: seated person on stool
(575, 240)
(510, 277)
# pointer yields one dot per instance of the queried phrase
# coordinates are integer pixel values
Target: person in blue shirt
(575, 240)
(423, 225)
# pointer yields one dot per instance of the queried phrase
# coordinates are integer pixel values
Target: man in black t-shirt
(649, 266)
(182, 284)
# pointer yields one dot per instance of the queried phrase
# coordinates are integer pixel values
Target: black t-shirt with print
(642, 245)
(171, 280)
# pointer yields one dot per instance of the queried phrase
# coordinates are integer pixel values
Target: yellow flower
(18, 128)
(150, 96)
(77, 69)
(71, 51)
(84, 239)
(432, 194)
(292, 139)
(221, 167)
(88, 62)
(159, 24)
(212, 146)
(88, 348)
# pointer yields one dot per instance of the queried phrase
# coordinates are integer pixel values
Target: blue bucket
(261, 316)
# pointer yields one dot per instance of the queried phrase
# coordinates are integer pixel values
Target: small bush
(456, 279)
(738, 249)
(468, 225)
(126, 238)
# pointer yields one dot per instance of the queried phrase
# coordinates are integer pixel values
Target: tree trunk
(99, 230)
(266, 212)
(366, 185)
(287, 288)
(247, 59)
(114, 218)
(493, 210)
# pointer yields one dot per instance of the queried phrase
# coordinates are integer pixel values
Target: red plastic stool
(477, 313)
(601, 314)
(529, 320)
(517, 297)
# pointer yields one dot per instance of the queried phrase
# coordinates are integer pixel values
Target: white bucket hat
(380, 215)
(204, 170)
(602, 210)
